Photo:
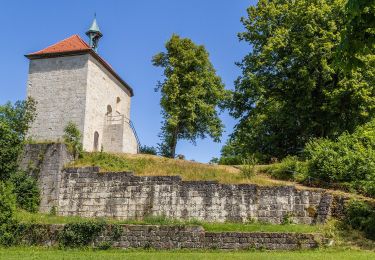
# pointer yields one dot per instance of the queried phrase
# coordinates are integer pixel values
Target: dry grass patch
(151, 165)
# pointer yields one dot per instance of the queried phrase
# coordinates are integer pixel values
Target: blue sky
(133, 32)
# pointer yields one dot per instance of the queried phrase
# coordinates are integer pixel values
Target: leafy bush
(349, 159)
(290, 168)
(361, 216)
(72, 138)
(229, 154)
(105, 245)
(248, 166)
(230, 160)
(180, 157)
(15, 121)
(26, 191)
(7, 202)
(148, 150)
(80, 234)
(7, 209)
(14, 124)
(214, 160)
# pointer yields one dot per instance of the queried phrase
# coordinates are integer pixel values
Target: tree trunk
(173, 143)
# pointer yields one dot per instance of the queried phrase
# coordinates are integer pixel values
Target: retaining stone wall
(46, 162)
(177, 237)
(86, 192)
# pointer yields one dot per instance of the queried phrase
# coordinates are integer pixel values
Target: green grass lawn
(52, 253)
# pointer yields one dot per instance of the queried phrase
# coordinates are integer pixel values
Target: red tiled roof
(74, 45)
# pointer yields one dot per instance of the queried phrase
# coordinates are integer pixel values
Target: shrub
(105, 245)
(180, 156)
(14, 124)
(248, 166)
(290, 168)
(7, 203)
(234, 159)
(230, 160)
(80, 234)
(26, 191)
(116, 231)
(10, 148)
(7, 209)
(148, 150)
(72, 138)
(349, 159)
(214, 160)
(288, 219)
(361, 216)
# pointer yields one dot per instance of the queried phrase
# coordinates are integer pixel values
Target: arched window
(109, 110)
(118, 104)
(96, 141)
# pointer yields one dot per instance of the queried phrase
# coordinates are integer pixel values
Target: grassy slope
(150, 165)
(51, 253)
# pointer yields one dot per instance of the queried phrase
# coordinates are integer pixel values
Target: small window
(118, 104)
(109, 110)
(96, 141)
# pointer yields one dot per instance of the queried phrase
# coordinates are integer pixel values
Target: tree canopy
(190, 94)
(291, 89)
(359, 36)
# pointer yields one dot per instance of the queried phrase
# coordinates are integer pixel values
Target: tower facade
(72, 83)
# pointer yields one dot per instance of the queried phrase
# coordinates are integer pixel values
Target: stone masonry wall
(103, 90)
(59, 87)
(177, 237)
(46, 162)
(113, 137)
(86, 192)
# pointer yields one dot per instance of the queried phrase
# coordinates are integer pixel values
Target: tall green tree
(359, 35)
(15, 120)
(290, 89)
(191, 92)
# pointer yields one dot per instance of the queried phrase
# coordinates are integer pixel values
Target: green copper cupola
(94, 34)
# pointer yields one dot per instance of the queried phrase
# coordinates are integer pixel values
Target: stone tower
(71, 82)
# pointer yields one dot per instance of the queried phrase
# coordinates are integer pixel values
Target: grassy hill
(151, 165)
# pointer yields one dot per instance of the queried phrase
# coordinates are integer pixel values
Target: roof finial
(94, 34)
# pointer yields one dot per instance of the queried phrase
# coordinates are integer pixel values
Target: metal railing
(121, 120)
